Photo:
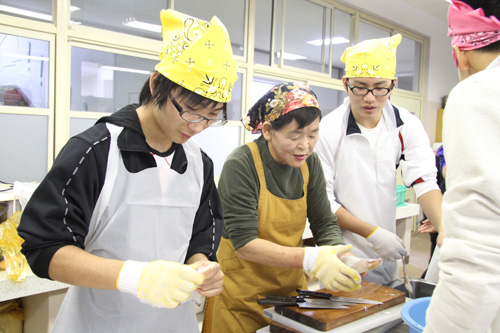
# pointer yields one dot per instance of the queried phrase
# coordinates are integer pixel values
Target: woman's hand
(426, 227)
(213, 278)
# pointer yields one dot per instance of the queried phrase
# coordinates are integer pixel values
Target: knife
(351, 300)
(407, 281)
(311, 303)
(302, 302)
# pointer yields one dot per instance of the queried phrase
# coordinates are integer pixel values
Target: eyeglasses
(192, 117)
(359, 91)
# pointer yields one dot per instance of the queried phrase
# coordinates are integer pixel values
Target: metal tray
(421, 287)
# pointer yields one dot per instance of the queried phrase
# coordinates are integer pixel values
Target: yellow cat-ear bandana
(372, 58)
(197, 55)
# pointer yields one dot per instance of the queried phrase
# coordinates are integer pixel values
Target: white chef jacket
(467, 296)
(362, 178)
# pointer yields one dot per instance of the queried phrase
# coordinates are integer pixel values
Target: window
(25, 71)
(40, 10)
(99, 70)
(230, 12)
(105, 81)
(24, 156)
(235, 105)
(261, 86)
(138, 18)
(408, 56)
(262, 35)
(142, 18)
(368, 30)
(307, 26)
(341, 41)
(408, 63)
(328, 99)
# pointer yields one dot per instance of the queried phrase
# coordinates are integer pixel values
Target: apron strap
(305, 176)
(258, 164)
(304, 168)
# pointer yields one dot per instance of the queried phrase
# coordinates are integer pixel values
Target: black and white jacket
(59, 212)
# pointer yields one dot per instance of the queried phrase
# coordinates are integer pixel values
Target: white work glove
(387, 244)
(361, 265)
(324, 263)
(159, 283)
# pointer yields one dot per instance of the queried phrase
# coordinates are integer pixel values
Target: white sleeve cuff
(128, 279)
(310, 256)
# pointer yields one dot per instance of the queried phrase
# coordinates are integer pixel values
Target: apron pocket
(230, 265)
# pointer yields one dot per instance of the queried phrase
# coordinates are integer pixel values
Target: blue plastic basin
(413, 313)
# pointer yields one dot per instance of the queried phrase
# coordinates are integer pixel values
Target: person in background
(442, 168)
(467, 296)
(361, 144)
(269, 188)
(128, 213)
(431, 273)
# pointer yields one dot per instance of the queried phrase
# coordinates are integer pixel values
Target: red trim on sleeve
(402, 143)
(420, 180)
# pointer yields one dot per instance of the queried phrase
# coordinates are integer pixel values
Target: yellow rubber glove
(159, 283)
(323, 262)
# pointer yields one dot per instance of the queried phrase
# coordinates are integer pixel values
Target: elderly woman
(269, 188)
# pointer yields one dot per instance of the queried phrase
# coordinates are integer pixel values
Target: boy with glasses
(129, 214)
(361, 144)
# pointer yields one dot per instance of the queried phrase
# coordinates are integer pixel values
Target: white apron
(135, 220)
(432, 274)
(366, 182)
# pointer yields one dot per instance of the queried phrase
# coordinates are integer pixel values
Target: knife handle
(276, 302)
(304, 292)
(296, 299)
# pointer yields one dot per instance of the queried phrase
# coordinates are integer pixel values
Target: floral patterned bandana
(277, 102)
(372, 58)
(469, 28)
(197, 55)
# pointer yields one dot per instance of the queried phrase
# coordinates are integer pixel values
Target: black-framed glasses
(192, 117)
(359, 91)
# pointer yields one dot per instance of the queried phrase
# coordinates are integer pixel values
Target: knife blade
(342, 299)
(309, 303)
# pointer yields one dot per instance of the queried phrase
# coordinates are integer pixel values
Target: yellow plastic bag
(10, 245)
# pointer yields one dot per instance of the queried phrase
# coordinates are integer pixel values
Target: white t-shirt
(373, 134)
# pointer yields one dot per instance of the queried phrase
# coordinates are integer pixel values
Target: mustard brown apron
(281, 221)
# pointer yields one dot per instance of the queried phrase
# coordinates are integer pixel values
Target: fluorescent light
(327, 41)
(29, 13)
(23, 56)
(133, 23)
(290, 56)
(23, 12)
(124, 69)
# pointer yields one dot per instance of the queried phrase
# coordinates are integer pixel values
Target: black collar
(353, 128)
